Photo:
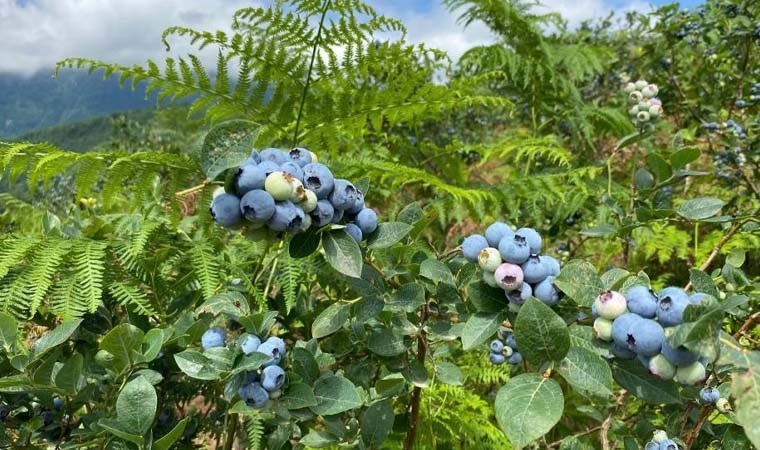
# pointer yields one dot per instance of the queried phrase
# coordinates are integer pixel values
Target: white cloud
(42, 32)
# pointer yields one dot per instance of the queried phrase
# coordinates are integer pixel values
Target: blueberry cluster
(259, 385)
(645, 106)
(729, 127)
(288, 192)
(686, 29)
(661, 441)
(504, 348)
(637, 324)
(511, 260)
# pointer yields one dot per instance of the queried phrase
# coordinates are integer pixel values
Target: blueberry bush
(562, 248)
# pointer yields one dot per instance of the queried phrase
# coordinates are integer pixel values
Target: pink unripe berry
(610, 304)
(509, 276)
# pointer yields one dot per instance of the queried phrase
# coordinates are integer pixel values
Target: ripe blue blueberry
(344, 194)
(534, 271)
(213, 337)
(4, 412)
(338, 216)
(551, 264)
(660, 367)
(287, 217)
(668, 444)
(294, 169)
(250, 344)
(257, 206)
(646, 337)
(514, 250)
(642, 301)
(225, 209)
(254, 157)
(272, 350)
(367, 220)
(496, 232)
(515, 359)
(354, 231)
(652, 446)
(594, 312)
(532, 237)
(47, 417)
(519, 296)
(620, 327)
(497, 346)
(272, 378)
(709, 395)
(472, 246)
(679, 356)
(277, 342)
(358, 204)
(621, 352)
(670, 306)
(496, 358)
(300, 156)
(511, 341)
(546, 291)
(249, 177)
(268, 167)
(254, 395)
(319, 179)
(274, 155)
(57, 402)
(322, 214)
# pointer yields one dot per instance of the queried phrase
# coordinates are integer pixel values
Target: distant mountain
(39, 101)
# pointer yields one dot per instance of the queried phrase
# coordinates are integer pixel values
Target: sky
(34, 34)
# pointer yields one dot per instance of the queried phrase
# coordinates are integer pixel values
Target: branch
(605, 428)
(716, 250)
(414, 419)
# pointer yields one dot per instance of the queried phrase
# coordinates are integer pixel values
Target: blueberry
(165, 417)
(660, 367)
(610, 304)
(254, 395)
(272, 350)
(249, 177)
(250, 344)
(519, 296)
(213, 337)
(354, 231)
(551, 264)
(496, 358)
(319, 179)
(272, 378)
(514, 250)
(511, 341)
(280, 185)
(344, 194)
(534, 271)
(300, 156)
(621, 352)
(515, 359)
(679, 356)
(4, 412)
(691, 374)
(472, 246)
(488, 278)
(57, 402)
(594, 312)
(47, 417)
(644, 360)
(287, 217)
(670, 306)
(225, 209)
(532, 237)
(294, 169)
(651, 445)
(509, 276)
(358, 204)
(620, 327)
(323, 213)
(338, 216)
(603, 329)
(257, 206)
(642, 301)
(489, 259)
(709, 395)
(496, 232)
(367, 220)
(268, 167)
(668, 444)
(277, 342)
(255, 157)
(274, 155)
(659, 436)
(723, 405)
(646, 337)
(497, 346)
(546, 291)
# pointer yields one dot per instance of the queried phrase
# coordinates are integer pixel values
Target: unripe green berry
(489, 259)
(633, 111)
(603, 329)
(655, 111)
(310, 201)
(691, 374)
(659, 436)
(635, 97)
(660, 367)
(642, 116)
(641, 84)
(629, 87)
(489, 279)
(723, 405)
(507, 351)
(610, 304)
(299, 192)
(279, 185)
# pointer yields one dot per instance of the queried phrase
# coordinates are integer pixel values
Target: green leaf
(330, 320)
(613, 278)
(335, 395)
(227, 145)
(386, 342)
(297, 396)
(167, 441)
(343, 253)
(196, 365)
(231, 303)
(527, 407)
(318, 439)
(702, 282)
(659, 166)
(388, 233)
(586, 372)
(681, 158)
(15, 383)
(411, 213)
(416, 374)
(136, 405)
(304, 364)
(53, 339)
(631, 139)
(116, 428)
(407, 298)
(700, 208)
(304, 244)
(124, 343)
(745, 390)
(485, 298)
(377, 423)
(631, 375)
(449, 373)
(152, 343)
(600, 230)
(583, 337)
(579, 281)
(643, 178)
(68, 376)
(479, 328)
(250, 362)
(8, 332)
(436, 271)
(540, 333)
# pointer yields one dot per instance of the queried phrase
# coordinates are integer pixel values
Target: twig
(411, 435)
(582, 433)
(716, 250)
(605, 428)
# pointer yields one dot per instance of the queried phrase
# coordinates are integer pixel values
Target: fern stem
(311, 67)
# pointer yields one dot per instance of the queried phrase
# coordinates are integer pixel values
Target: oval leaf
(343, 253)
(527, 407)
(136, 405)
(700, 208)
(330, 320)
(541, 334)
(335, 395)
(586, 372)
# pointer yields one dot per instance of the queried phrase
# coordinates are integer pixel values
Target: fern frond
(289, 279)
(130, 295)
(89, 266)
(206, 269)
